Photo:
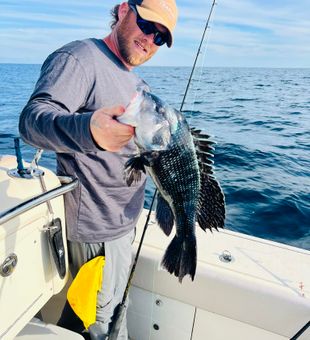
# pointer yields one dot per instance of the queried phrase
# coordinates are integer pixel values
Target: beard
(124, 42)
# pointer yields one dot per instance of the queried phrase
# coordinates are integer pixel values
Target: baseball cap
(163, 12)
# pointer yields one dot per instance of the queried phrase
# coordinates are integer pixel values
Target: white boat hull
(262, 293)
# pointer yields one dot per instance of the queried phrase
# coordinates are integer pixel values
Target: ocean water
(260, 119)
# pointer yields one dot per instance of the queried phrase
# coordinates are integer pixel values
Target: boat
(245, 287)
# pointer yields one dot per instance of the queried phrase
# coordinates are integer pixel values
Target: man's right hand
(108, 133)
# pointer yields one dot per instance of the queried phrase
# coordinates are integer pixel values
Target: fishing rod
(301, 331)
(120, 309)
(198, 52)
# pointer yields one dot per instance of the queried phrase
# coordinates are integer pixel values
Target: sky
(242, 33)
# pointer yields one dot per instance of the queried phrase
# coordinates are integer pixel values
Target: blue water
(259, 119)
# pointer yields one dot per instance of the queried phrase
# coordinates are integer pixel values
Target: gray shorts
(118, 260)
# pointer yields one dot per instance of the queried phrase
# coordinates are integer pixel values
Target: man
(82, 88)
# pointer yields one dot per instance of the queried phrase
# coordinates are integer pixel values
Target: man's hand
(108, 133)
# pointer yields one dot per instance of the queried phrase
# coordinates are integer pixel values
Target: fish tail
(180, 257)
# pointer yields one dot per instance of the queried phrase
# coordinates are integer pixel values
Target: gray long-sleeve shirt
(76, 80)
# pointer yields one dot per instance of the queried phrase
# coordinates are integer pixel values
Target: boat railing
(68, 184)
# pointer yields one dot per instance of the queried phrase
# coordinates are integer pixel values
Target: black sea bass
(179, 161)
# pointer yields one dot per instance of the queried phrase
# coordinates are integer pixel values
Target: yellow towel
(82, 294)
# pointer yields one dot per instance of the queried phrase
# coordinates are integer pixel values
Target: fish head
(154, 121)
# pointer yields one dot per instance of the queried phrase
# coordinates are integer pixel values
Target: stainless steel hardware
(226, 256)
(8, 265)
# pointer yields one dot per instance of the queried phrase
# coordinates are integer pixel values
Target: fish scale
(176, 174)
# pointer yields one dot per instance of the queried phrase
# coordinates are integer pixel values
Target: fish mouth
(140, 46)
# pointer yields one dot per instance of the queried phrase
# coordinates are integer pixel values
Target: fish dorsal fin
(164, 215)
(204, 150)
(211, 204)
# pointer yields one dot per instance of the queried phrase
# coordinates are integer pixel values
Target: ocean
(259, 119)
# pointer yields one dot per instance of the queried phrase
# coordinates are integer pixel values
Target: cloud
(242, 32)
(252, 33)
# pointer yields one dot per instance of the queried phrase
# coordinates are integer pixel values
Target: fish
(179, 159)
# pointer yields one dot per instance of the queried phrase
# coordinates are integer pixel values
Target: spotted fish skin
(176, 174)
(179, 161)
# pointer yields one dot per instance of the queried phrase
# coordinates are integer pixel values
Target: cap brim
(148, 15)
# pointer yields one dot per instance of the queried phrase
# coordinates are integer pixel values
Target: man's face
(135, 47)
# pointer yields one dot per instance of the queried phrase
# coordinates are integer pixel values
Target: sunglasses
(148, 27)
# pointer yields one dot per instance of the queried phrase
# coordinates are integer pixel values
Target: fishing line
(120, 309)
(203, 59)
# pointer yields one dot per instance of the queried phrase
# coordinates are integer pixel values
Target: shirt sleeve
(54, 118)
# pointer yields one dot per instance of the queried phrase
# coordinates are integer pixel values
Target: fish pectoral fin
(133, 168)
(164, 215)
(136, 164)
(211, 204)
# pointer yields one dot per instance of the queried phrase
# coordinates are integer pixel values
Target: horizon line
(183, 66)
